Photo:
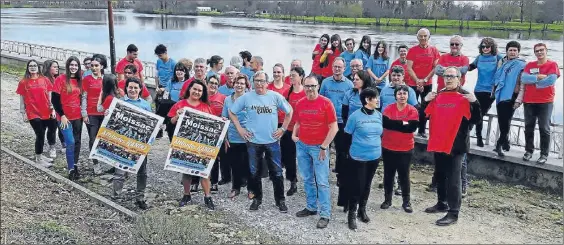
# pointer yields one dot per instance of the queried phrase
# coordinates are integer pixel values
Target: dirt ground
(491, 213)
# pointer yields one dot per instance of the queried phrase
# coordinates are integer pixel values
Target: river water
(275, 41)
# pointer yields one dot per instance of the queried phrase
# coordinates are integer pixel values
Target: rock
(392, 227)
(190, 208)
(106, 177)
(217, 225)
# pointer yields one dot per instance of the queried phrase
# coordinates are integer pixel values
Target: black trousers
(238, 159)
(214, 175)
(485, 100)
(341, 159)
(449, 183)
(39, 128)
(422, 118)
(504, 115)
(358, 181)
(288, 148)
(57, 132)
(93, 126)
(542, 112)
(400, 162)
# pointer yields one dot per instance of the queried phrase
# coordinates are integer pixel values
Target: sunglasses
(485, 46)
(310, 86)
(454, 44)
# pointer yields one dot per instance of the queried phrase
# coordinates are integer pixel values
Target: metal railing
(149, 71)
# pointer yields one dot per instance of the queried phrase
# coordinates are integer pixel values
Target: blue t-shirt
(348, 58)
(141, 103)
(387, 96)
(232, 135)
(487, 66)
(366, 131)
(86, 73)
(174, 92)
(359, 54)
(262, 114)
(225, 90)
(165, 71)
(352, 99)
(379, 67)
(247, 71)
(211, 73)
(335, 91)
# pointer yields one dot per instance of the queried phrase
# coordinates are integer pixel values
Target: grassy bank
(473, 24)
(12, 70)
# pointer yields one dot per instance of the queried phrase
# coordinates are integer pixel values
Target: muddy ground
(491, 213)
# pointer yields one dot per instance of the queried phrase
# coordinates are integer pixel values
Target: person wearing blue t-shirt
(228, 88)
(364, 135)
(348, 55)
(216, 65)
(165, 68)
(364, 50)
(351, 101)
(263, 137)
(172, 95)
(378, 65)
(387, 96)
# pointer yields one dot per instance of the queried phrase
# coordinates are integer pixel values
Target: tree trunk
(436, 23)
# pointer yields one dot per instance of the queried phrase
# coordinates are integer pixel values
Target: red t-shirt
(315, 68)
(540, 95)
(447, 60)
(35, 93)
(423, 60)
(120, 66)
(144, 91)
(203, 107)
(223, 79)
(406, 77)
(107, 102)
(445, 114)
(328, 70)
(69, 100)
(216, 103)
(293, 100)
(186, 84)
(284, 92)
(314, 117)
(395, 140)
(287, 80)
(93, 87)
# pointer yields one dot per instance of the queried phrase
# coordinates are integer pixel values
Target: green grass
(5, 6)
(214, 13)
(13, 70)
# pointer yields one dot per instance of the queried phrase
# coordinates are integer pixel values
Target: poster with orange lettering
(125, 136)
(198, 138)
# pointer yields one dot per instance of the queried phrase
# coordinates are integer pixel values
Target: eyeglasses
(310, 86)
(449, 77)
(356, 66)
(259, 81)
(128, 72)
(540, 50)
(213, 83)
(454, 44)
(485, 46)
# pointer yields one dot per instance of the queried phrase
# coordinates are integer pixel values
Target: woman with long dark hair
(351, 100)
(195, 97)
(36, 108)
(51, 72)
(318, 51)
(332, 51)
(173, 95)
(109, 92)
(217, 101)
(378, 65)
(66, 101)
(364, 50)
(216, 65)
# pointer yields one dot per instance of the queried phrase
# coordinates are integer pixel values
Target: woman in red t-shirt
(331, 52)
(195, 97)
(35, 106)
(217, 101)
(400, 120)
(318, 51)
(51, 72)
(66, 101)
(109, 92)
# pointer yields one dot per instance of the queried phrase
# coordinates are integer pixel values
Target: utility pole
(112, 42)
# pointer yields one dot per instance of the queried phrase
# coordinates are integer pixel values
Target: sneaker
(255, 205)
(52, 152)
(386, 205)
(322, 223)
(305, 212)
(282, 206)
(47, 159)
(234, 193)
(73, 175)
(194, 188)
(209, 203)
(223, 182)
(97, 168)
(438, 208)
(542, 159)
(42, 162)
(449, 219)
(527, 156)
(186, 199)
(141, 204)
(214, 189)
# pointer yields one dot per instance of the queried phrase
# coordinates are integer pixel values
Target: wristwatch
(322, 148)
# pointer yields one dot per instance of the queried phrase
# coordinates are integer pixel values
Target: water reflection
(165, 22)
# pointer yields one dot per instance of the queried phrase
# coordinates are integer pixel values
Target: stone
(217, 225)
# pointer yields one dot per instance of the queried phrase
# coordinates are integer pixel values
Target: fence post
(490, 119)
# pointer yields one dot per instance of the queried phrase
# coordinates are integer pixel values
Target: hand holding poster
(197, 139)
(125, 136)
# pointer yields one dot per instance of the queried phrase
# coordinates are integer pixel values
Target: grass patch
(212, 13)
(5, 6)
(53, 227)
(12, 70)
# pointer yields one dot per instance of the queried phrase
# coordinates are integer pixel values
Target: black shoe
(209, 203)
(499, 151)
(234, 193)
(438, 208)
(223, 182)
(244, 183)
(214, 189)
(160, 134)
(255, 205)
(449, 219)
(407, 207)
(386, 205)
(527, 156)
(345, 208)
(186, 199)
(305, 212)
(193, 188)
(141, 204)
(110, 171)
(422, 135)
(542, 159)
(282, 206)
(322, 223)
(480, 142)
(362, 215)
(293, 189)
(397, 192)
(351, 220)
(506, 146)
(73, 175)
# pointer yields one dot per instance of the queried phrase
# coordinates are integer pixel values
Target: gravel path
(490, 214)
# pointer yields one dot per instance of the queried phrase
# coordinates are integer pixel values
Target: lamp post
(112, 42)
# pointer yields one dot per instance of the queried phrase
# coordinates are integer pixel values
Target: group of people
(359, 101)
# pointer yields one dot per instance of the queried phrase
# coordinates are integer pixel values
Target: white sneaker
(52, 152)
(47, 159)
(40, 161)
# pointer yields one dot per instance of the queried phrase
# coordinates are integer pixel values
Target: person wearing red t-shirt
(217, 101)
(295, 63)
(92, 88)
(130, 71)
(401, 61)
(400, 120)
(450, 112)
(318, 51)
(51, 72)
(195, 98)
(35, 106)
(278, 85)
(294, 94)
(130, 58)
(454, 58)
(199, 74)
(421, 62)
(333, 50)
(66, 101)
(314, 129)
(537, 93)
(109, 92)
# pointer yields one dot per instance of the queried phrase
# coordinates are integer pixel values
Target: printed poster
(125, 136)
(198, 138)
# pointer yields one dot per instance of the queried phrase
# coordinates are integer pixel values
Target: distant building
(203, 9)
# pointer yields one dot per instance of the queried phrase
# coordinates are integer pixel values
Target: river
(276, 41)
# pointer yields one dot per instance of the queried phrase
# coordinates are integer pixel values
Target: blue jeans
(316, 178)
(72, 136)
(273, 159)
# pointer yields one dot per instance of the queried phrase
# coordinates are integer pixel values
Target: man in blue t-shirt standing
(262, 136)
(165, 73)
